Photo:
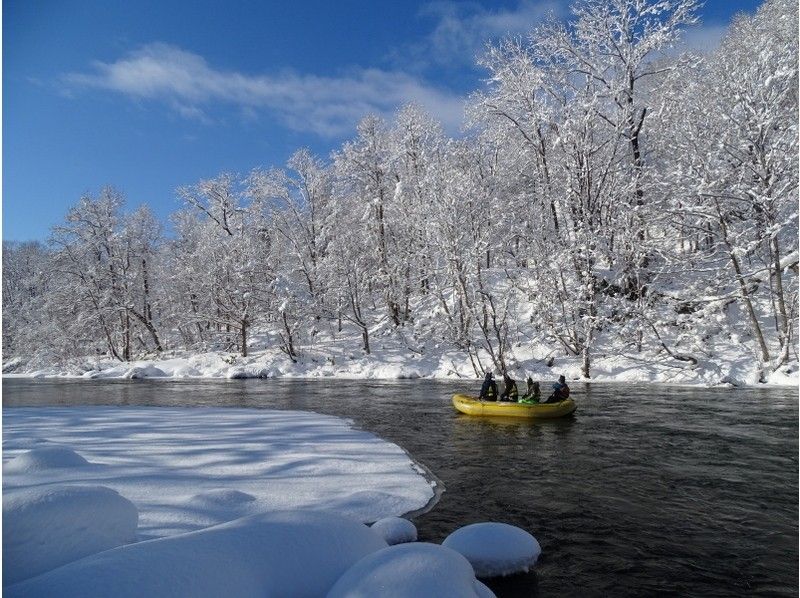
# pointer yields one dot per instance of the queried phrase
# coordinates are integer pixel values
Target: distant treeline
(607, 191)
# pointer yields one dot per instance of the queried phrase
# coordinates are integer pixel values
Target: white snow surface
(412, 570)
(495, 549)
(395, 530)
(285, 553)
(46, 527)
(45, 458)
(187, 469)
(395, 355)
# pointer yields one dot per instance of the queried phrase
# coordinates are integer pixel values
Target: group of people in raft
(532, 396)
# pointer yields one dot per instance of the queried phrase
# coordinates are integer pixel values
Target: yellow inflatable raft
(473, 406)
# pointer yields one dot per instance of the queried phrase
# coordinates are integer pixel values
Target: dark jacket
(488, 389)
(510, 392)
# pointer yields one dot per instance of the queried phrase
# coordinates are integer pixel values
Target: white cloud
(702, 38)
(327, 106)
(462, 29)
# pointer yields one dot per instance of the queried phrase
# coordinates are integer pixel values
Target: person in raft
(489, 388)
(510, 392)
(533, 393)
(560, 391)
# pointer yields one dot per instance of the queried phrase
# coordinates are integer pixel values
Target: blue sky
(150, 95)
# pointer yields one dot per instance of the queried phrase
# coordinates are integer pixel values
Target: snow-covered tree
(25, 279)
(229, 275)
(101, 287)
(733, 167)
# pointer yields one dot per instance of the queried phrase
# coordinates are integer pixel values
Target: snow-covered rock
(238, 373)
(395, 530)
(147, 371)
(251, 371)
(46, 527)
(42, 459)
(413, 570)
(288, 553)
(495, 549)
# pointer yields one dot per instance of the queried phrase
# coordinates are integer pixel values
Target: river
(646, 490)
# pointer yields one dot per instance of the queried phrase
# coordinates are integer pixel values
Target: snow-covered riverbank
(159, 502)
(395, 356)
(90, 481)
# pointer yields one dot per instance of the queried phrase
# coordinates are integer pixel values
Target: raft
(474, 406)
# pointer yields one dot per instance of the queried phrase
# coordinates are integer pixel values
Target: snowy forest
(607, 195)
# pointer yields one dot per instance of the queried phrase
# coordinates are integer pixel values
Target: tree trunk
(245, 324)
(150, 328)
(365, 338)
(749, 307)
(783, 319)
(126, 337)
(585, 363)
(289, 340)
(745, 293)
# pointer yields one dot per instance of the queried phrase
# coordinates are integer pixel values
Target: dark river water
(645, 491)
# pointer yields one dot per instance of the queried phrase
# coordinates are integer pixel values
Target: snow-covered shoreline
(202, 502)
(393, 361)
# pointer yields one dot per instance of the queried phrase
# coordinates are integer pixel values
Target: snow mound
(251, 371)
(47, 527)
(222, 498)
(395, 530)
(285, 553)
(40, 459)
(495, 549)
(148, 371)
(241, 374)
(411, 570)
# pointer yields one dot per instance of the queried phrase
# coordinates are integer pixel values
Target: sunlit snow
(185, 469)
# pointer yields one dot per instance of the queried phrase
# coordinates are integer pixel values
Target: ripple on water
(646, 491)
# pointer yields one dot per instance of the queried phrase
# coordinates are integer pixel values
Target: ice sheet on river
(187, 469)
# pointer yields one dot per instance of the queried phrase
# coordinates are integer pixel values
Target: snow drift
(46, 527)
(289, 553)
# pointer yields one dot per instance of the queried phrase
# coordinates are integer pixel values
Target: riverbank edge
(393, 361)
(133, 373)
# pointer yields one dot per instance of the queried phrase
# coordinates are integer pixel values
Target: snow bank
(46, 527)
(411, 571)
(495, 549)
(186, 469)
(45, 458)
(395, 530)
(288, 553)
(394, 357)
